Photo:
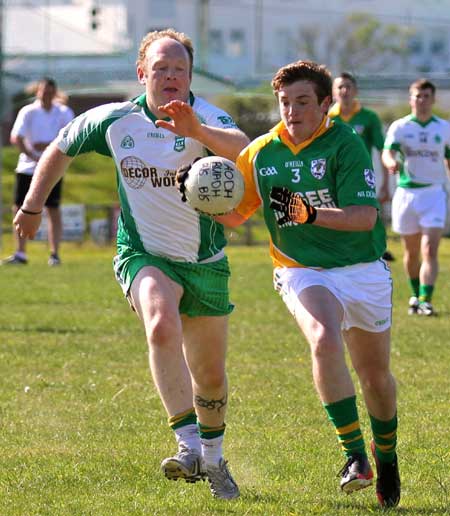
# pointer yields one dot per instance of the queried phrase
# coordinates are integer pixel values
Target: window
(215, 42)
(415, 45)
(236, 46)
(438, 45)
(286, 49)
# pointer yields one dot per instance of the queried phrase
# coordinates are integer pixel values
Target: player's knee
(163, 331)
(429, 252)
(210, 378)
(325, 344)
(377, 381)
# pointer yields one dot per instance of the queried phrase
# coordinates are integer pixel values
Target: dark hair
(317, 74)
(48, 81)
(423, 84)
(349, 77)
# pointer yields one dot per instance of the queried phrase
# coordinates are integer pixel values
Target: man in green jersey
(417, 147)
(365, 122)
(170, 260)
(315, 182)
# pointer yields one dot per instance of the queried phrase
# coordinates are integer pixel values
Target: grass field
(83, 431)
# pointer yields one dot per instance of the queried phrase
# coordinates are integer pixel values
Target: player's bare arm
(184, 122)
(231, 220)
(50, 169)
(24, 148)
(388, 158)
(350, 218)
(383, 194)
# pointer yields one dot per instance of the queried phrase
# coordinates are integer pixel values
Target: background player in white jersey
(418, 148)
(315, 182)
(36, 125)
(170, 262)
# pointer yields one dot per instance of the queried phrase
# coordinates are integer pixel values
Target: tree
(359, 42)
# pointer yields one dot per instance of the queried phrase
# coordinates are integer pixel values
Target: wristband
(27, 212)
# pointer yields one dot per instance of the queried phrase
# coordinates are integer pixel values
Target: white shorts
(364, 291)
(414, 209)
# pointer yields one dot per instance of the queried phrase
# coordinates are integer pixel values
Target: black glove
(293, 207)
(181, 176)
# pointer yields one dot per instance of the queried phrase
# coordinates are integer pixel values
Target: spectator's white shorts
(364, 291)
(414, 209)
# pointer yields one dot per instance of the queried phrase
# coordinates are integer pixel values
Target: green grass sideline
(83, 431)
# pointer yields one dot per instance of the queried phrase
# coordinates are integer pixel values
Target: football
(214, 186)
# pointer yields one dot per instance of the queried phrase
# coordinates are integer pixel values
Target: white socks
(212, 450)
(188, 437)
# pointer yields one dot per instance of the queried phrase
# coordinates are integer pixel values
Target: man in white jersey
(36, 125)
(417, 146)
(170, 262)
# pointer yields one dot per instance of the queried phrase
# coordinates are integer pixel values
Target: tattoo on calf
(211, 404)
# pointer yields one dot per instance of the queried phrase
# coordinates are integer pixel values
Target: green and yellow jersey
(364, 121)
(331, 169)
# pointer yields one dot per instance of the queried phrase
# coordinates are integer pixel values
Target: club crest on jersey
(180, 143)
(226, 120)
(318, 167)
(127, 142)
(369, 176)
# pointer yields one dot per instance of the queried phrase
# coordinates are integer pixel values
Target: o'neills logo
(135, 173)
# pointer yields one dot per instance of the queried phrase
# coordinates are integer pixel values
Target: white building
(244, 39)
(94, 42)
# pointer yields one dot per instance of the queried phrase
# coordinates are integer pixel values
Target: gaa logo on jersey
(369, 176)
(318, 167)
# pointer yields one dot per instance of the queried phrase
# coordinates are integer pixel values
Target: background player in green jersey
(170, 261)
(365, 122)
(315, 182)
(418, 148)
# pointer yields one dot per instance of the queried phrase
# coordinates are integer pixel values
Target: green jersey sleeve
(355, 177)
(376, 130)
(88, 131)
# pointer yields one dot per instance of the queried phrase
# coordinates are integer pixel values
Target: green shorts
(205, 285)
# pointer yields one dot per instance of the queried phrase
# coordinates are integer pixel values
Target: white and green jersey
(153, 217)
(423, 146)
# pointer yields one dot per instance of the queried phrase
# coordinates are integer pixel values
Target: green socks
(344, 416)
(385, 437)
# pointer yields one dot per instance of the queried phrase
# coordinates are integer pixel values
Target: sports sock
(186, 431)
(414, 284)
(385, 437)
(21, 255)
(344, 416)
(426, 292)
(212, 443)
